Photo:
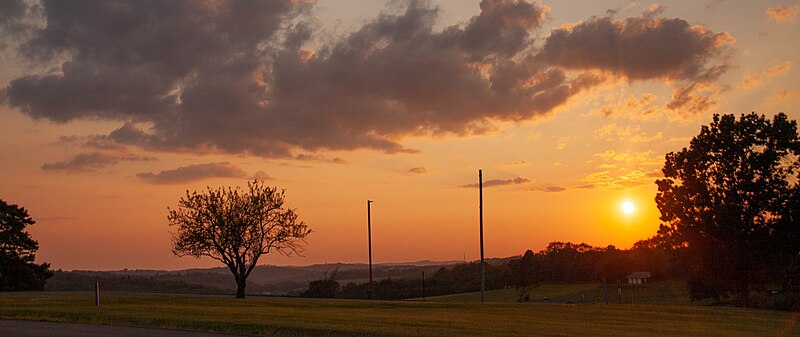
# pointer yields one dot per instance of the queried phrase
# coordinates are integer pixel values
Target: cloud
(755, 79)
(642, 47)
(694, 99)
(98, 142)
(620, 170)
(612, 131)
(518, 163)
(630, 107)
(645, 137)
(13, 21)
(261, 175)
(616, 181)
(500, 182)
(92, 162)
(752, 79)
(320, 158)
(614, 11)
(647, 47)
(782, 94)
(643, 158)
(239, 77)
(778, 69)
(562, 143)
(783, 14)
(417, 170)
(548, 188)
(195, 172)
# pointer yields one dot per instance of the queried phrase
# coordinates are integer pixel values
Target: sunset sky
(110, 111)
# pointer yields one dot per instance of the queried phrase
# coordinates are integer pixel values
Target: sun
(628, 207)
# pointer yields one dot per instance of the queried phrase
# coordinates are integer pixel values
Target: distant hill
(264, 279)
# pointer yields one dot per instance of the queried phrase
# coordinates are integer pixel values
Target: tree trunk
(241, 283)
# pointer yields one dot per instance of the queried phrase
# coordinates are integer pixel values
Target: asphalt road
(12, 328)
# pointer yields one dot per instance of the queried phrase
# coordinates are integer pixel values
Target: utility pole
(369, 238)
(423, 285)
(480, 196)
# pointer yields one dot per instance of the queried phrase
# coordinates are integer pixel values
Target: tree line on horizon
(559, 262)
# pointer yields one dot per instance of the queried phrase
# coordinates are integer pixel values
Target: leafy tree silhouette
(18, 271)
(729, 198)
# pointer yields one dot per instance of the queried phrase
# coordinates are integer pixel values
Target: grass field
(302, 317)
(672, 292)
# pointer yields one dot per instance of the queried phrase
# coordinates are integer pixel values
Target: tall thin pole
(423, 285)
(483, 267)
(369, 238)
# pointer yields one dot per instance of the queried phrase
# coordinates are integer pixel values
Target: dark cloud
(92, 162)
(642, 47)
(236, 77)
(417, 170)
(500, 182)
(320, 158)
(99, 142)
(693, 99)
(192, 173)
(12, 20)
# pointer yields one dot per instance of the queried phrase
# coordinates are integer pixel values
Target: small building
(638, 277)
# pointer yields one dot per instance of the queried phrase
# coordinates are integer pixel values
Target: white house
(638, 277)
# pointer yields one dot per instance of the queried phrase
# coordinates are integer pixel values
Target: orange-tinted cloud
(548, 188)
(194, 173)
(631, 133)
(694, 99)
(261, 175)
(616, 181)
(631, 107)
(92, 162)
(783, 14)
(417, 170)
(755, 79)
(518, 163)
(500, 182)
(782, 94)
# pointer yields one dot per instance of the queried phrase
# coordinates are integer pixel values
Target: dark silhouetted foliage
(236, 227)
(85, 281)
(731, 200)
(327, 287)
(18, 270)
(560, 262)
(526, 274)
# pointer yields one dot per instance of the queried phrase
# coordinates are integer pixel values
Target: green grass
(301, 317)
(671, 292)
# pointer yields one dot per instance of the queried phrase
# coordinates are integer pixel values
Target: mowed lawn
(303, 317)
(673, 292)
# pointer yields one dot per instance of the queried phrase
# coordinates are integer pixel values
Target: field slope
(672, 292)
(300, 317)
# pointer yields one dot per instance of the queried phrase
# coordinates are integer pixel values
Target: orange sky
(97, 156)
